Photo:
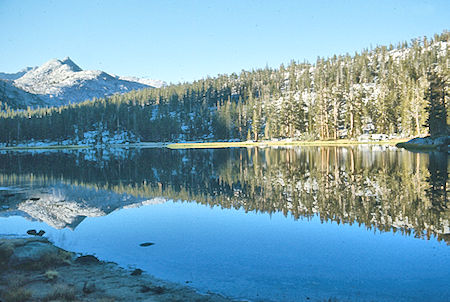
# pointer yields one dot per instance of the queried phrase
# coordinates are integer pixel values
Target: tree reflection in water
(378, 187)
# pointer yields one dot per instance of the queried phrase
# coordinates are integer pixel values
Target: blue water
(258, 256)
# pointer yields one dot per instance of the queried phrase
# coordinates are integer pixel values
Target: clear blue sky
(187, 40)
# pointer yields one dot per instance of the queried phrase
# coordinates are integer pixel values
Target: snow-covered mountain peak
(59, 82)
(145, 81)
(53, 65)
(71, 64)
(51, 72)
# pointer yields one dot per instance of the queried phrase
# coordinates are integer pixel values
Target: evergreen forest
(399, 91)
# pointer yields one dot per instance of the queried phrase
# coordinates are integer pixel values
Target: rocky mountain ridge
(60, 82)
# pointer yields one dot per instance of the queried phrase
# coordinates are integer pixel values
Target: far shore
(212, 145)
(53, 147)
(324, 143)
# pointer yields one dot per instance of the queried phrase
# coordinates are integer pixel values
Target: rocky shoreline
(440, 143)
(33, 269)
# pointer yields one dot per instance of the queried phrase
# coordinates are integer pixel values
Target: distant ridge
(16, 98)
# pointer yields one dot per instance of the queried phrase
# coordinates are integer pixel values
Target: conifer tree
(437, 96)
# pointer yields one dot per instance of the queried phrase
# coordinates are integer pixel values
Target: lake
(360, 223)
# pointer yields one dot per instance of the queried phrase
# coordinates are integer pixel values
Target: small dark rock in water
(187, 281)
(35, 198)
(34, 233)
(87, 259)
(88, 287)
(146, 244)
(137, 272)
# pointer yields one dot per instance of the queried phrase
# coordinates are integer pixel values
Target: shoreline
(32, 268)
(263, 144)
(213, 145)
(426, 144)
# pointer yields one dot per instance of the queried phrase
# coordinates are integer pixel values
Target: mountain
(15, 98)
(16, 75)
(60, 82)
(145, 81)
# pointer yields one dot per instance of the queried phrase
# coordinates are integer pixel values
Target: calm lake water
(363, 223)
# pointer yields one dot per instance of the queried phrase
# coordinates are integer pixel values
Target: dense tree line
(391, 90)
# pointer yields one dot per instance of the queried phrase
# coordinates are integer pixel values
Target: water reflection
(381, 188)
(437, 189)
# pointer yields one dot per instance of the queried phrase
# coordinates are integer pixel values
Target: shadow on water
(381, 188)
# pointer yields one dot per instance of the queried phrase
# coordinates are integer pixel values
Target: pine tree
(437, 96)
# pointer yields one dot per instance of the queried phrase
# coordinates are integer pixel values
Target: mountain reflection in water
(381, 188)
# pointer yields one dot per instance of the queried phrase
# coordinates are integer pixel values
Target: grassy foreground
(339, 142)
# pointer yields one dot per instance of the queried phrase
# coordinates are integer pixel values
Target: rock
(158, 290)
(34, 233)
(439, 143)
(89, 287)
(146, 244)
(87, 259)
(32, 251)
(137, 272)
(35, 198)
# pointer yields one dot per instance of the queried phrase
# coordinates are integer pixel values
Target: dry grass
(6, 250)
(15, 291)
(16, 280)
(51, 275)
(17, 294)
(61, 292)
(47, 261)
(103, 299)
